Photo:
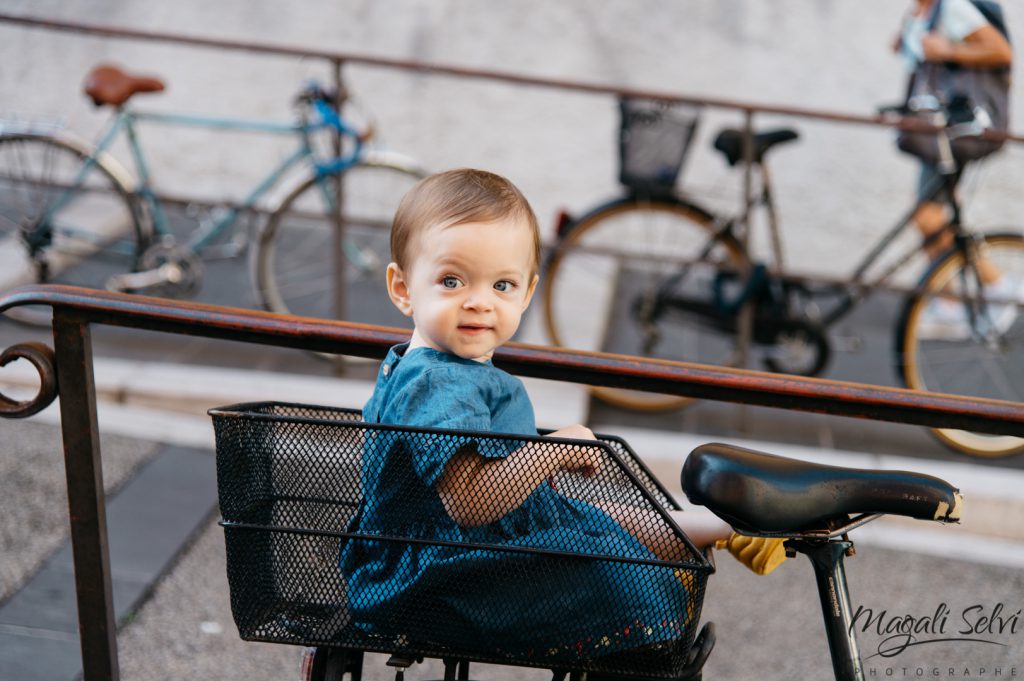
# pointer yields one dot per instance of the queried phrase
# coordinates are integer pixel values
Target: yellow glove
(760, 554)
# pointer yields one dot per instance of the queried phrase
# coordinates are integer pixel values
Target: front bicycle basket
(654, 138)
(311, 562)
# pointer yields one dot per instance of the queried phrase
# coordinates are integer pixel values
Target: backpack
(967, 93)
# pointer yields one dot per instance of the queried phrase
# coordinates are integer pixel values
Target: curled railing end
(41, 357)
(28, 294)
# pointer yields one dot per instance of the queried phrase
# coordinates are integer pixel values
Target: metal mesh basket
(654, 138)
(557, 594)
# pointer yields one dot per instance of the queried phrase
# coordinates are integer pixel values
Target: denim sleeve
(439, 398)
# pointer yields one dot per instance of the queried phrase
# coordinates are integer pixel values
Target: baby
(466, 256)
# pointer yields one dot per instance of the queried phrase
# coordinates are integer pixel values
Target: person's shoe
(1007, 296)
(944, 319)
(947, 319)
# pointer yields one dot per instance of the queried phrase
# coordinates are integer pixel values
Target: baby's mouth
(473, 328)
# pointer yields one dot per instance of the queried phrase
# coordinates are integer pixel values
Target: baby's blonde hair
(456, 197)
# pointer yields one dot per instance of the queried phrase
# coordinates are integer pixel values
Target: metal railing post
(745, 326)
(338, 240)
(86, 504)
(745, 320)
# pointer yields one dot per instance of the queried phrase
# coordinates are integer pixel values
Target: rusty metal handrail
(67, 370)
(594, 368)
(337, 57)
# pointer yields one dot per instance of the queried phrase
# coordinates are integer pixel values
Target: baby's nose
(478, 300)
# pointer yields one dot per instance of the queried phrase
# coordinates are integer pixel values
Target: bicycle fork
(827, 559)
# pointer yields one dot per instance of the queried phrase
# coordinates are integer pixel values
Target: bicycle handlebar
(956, 118)
(326, 104)
(314, 92)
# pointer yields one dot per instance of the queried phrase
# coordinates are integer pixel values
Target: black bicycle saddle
(763, 493)
(730, 143)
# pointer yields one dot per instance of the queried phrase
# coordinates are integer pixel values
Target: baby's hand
(575, 432)
(583, 460)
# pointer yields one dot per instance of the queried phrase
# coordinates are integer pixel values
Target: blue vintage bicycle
(71, 213)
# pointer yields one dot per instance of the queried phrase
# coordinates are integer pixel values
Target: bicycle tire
(653, 237)
(967, 365)
(94, 227)
(294, 261)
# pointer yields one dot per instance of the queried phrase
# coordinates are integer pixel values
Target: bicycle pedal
(132, 282)
(169, 279)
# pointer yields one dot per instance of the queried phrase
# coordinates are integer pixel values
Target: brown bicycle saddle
(108, 84)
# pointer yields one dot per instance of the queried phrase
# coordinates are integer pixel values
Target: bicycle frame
(852, 292)
(858, 289)
(124, 123)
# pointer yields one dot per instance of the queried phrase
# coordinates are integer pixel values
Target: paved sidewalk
(150, 519)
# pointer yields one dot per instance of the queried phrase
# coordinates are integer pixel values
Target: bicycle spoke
(308, 291)
(75, 215)
(638, 264)
(974, 347)
(297, 255)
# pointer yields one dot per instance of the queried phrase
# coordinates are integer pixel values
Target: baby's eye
(450, 282)
(504, 286)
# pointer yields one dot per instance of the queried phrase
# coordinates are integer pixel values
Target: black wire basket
(290, 482)
(654, 139)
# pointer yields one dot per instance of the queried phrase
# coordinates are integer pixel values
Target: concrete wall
(838, 187)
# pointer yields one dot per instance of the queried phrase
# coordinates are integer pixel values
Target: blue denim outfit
(496, 600)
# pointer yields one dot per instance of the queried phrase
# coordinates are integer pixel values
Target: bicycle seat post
(827, 559)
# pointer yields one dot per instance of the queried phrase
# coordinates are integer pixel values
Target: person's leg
(932, 217)
(946, 318)
(762, 555)
(702, 527)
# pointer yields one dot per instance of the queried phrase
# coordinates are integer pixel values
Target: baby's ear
(530, 290)
(398, 289)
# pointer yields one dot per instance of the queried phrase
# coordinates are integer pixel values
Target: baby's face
(468, 285)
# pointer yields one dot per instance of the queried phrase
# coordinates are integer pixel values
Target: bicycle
(671, 279)
(71, 213)
(289, 487)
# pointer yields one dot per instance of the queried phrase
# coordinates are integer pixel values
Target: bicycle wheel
(608, 279)
(63, 219)
(985, 358)
(296, 256)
